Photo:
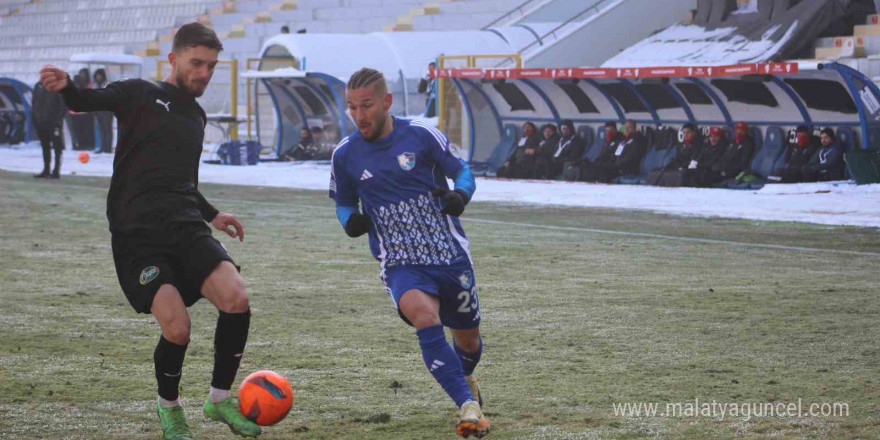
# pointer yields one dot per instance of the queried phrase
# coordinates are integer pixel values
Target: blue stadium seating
(509, 138)
(585, 132)
(768, 161)
(847, 138)
(659, 155)
(592, 150)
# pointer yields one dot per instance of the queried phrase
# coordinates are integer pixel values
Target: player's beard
(377, 125)
(181, 82)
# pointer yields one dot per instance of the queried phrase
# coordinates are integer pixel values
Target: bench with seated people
(745, 160)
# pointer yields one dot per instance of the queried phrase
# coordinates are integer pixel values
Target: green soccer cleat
(227, 411)
(173, 421)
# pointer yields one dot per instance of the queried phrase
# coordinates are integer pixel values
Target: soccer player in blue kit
(397, 169)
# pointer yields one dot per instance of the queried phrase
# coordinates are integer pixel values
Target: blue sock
(469, 361)
(443, 363)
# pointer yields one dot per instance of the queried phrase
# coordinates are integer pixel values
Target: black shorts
(184, 258)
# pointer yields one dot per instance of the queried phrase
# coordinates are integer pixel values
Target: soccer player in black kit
(166, 258)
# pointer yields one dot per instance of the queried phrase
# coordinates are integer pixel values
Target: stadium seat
(768, 161)
(759, 140)
(593, 150)
(874, 138)
(660, 154)
(509, 138)
(585, 132)
(847, 138)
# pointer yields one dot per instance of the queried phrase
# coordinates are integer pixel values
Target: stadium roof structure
(16, 121)
(286, 72)
(106, 58)
(495, 102)
(395, 54)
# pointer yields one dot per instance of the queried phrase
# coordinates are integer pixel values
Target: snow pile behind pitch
(824, 203)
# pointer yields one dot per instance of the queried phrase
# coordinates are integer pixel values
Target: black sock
(57, 162)
(47, 159)
(168, 359)
(229, 341)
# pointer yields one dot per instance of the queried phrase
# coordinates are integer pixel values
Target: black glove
(357, 225)
(453, 201)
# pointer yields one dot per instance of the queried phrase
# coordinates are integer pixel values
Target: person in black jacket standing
(104, 119)
(166, 258)
(48, 113)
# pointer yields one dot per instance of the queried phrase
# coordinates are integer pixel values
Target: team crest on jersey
(407, 161)
(466, 279)
(149, 274)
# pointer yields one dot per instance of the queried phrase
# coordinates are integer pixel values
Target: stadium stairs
(861, 51)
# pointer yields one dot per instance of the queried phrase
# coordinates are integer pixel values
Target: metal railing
(510, 13)
(576, 17)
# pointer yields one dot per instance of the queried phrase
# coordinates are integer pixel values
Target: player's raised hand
(453, 201)
(229, 224)
(53, 78)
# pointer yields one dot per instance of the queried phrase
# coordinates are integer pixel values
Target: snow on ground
(837, 203)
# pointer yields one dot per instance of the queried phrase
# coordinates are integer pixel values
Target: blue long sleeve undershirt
(464, 181)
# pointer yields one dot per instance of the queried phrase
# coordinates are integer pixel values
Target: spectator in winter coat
(736, 157)
(711, 154)
(680, 171)
(522, 160)
(604, 168)
(82, 125)
(306, 148)
(797, 155)
(569, 149)
(827, 162)
(104, 119)
(546, 149)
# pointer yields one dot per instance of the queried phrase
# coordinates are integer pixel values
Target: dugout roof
(497, 101)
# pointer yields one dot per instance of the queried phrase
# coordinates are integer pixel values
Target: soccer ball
(265, 397)
(83, 157)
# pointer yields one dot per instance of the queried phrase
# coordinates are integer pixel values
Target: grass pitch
(574, 321)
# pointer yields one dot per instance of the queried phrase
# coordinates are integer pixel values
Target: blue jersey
(392, 178)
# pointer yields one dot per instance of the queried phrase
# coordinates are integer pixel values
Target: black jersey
(156, 167)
